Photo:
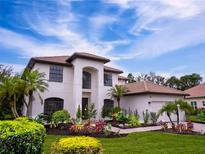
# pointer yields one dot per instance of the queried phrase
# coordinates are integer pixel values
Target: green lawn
(150, 142)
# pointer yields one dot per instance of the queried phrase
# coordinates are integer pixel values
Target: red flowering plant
(100, 126)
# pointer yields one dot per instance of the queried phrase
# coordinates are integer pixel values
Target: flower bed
(99, 129)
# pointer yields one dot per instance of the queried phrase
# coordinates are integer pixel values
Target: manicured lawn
(150, 142)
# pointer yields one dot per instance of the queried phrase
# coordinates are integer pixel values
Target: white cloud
(18, 68)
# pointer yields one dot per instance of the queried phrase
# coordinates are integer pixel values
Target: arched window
(108, 103)
(86, 80)
(53, 104)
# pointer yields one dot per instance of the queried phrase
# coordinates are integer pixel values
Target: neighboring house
(74, 81)
(145, 95)
(83, 78)
(197, 96)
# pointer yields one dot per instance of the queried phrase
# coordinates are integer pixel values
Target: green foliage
(79, 113)
(184, 82)
(117, 92)
(154, 117)
(122, 118)
(5, 72)
(21, 136)
(90, 112)
(34, 81)
(146, 117)
(131, 78)
(60, 117)
(42, 118)
(133, 120)
(77, 145)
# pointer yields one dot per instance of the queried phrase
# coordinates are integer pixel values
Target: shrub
(90, 112)
(61, 117)
(21, 136)
(122, 118)
(146, 117)
(134, 120)
(41, 118)
(79, 113)
(154, 117)
(77, 145)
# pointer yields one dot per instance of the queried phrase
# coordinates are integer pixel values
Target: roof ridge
(145, 86)
(50, 56)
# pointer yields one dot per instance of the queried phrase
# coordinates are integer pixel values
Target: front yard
(149, 142)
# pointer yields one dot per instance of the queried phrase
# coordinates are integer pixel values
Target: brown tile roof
(197, 91)
(149, 87)
(113, 70)
(62, 60)
(122, 77)
(87, 56)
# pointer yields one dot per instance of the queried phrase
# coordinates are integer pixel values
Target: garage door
(156, 106)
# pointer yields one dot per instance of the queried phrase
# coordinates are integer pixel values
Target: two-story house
(74, 81)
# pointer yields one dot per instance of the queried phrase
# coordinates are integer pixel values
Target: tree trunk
(29, 107)
(118, 102)
(170, 119)
(177, 113)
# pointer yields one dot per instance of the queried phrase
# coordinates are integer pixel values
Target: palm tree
(183, 106)
(34, 82)
(117, 92)
(168, 109)
(10, 91)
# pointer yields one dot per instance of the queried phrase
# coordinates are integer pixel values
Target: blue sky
(163, 36)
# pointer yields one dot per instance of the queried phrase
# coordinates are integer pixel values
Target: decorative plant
(106, 112)
(146, 117)
(117, 92)
(133, 120)
(90, 112)
(154, 117)
(60, 117)
(122, 118)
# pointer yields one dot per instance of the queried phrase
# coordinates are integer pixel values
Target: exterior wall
(199, 101)
(61, 90)
(70, 90)
(150, 102)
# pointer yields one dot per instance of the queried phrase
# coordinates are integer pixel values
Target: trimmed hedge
(61, 116)
(21, 136)
(77, 145)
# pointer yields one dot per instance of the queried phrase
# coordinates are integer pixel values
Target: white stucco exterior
(199, 101)
(71, 90)
(150, 102)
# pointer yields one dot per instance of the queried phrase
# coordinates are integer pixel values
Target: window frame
(51, 102)
(87, 80)
(109, 101)
(56, 73)
(194, 104)
(203, 103)
(108, 79)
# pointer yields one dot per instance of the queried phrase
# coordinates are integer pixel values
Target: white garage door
(156, 106)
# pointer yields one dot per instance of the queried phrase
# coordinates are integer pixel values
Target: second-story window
(107, 79)
(56, 73)
(86, 80)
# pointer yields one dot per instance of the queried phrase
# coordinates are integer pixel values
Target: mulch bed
(115, 124)
(175, 132)
(63, 129)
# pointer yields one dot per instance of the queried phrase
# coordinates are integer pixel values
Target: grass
(146, 143)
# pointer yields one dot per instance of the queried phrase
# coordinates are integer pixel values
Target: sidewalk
(197, 128)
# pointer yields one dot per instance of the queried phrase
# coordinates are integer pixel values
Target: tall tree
(131, 78)
(153, 77)
(117, 92)
(5, 71)
(185, 82)
(11, 89)
(34, 82)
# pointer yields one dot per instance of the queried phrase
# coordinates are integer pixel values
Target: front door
(84, 107)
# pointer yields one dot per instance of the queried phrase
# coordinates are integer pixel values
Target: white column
(77, 89)
(100, 91)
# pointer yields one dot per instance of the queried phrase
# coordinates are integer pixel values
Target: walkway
(197, 128)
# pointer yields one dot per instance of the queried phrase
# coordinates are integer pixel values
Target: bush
(21, 136)
(134, 120)
(61, 117)
(146, 117)
(154, 117)
(77, 145)
(122, 118)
